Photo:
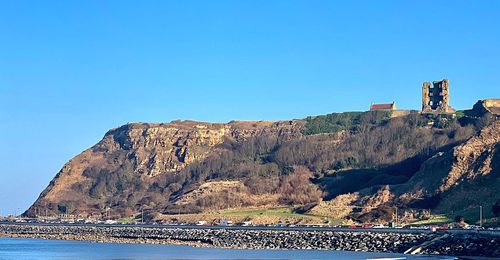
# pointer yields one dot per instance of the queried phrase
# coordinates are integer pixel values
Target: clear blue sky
(71, 70)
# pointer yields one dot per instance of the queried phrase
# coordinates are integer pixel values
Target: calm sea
(17, 248)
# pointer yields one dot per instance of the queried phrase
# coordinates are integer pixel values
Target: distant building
(435, 98)
(383, 107)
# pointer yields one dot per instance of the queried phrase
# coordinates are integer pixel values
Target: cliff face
(455, 182)
(474, 158)
(146, 151)
(492, 105)
(377, 161)
(460, 179)
(464, 162)
(163, 148)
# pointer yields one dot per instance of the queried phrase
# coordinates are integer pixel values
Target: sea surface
(21, 248)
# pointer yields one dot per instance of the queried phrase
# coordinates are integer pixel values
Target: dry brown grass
(339, 207)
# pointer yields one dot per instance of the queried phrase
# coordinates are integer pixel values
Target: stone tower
(435, 98)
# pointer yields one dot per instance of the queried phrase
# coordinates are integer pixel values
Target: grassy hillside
(347, 121)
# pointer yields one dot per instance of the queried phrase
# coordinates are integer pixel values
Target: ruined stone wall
(425, 96)
(435, 98)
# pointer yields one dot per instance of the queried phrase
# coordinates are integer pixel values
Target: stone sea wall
(267, 239)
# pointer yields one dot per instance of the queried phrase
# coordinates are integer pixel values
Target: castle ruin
(435, 98)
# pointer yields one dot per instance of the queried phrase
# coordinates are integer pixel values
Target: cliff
(461, 179)
(136, 154)
(370, 160)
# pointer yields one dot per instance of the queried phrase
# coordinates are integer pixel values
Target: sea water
(20, 248)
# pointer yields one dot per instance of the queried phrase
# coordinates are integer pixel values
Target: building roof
(389, 106)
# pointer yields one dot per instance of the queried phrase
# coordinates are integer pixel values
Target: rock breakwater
(262, 239)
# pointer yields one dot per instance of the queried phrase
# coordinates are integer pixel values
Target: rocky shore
(463, 245)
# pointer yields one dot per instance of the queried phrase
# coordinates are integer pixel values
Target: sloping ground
(122, 170)
(463, 163)
(339, 207)
(483, 189)
(371, 160)
(456, 182)
(256, 215)
(225, 194)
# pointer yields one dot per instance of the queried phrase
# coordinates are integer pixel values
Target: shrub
(297, 188)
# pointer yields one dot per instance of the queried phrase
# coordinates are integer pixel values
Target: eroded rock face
(449, 181)
(167, 148)
(159, 149)
(492, 105)
(382, 196)
(446, 170)
(148, 150)
(474, 157)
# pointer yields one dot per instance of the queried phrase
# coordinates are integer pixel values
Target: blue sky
(71, 70)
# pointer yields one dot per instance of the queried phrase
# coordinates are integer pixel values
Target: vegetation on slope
(347, 121)
(388, 153)
(337, 154)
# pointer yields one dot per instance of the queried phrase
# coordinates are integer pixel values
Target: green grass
(460, 113)
(335, 122)
(434, 220)
(471, 215)
(280, 212)
(125, 220)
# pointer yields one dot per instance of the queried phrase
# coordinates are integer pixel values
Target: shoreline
(98, 239)
(363, 241)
